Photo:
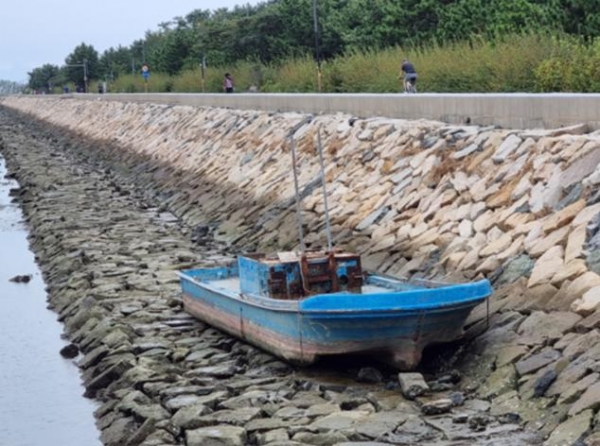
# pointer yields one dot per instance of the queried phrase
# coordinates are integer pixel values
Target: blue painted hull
(394, 322)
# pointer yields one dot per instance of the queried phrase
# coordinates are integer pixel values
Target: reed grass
(129, 83)
(512, 63)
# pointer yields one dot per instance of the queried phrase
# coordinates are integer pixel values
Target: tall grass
(129, 83)
(503, 65)
(573, 66)
(369, 71)
(513, 63)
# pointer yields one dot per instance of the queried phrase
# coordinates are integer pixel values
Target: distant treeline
(9, 87)
(277, 33)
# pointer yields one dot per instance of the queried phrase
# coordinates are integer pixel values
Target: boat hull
(303, 331)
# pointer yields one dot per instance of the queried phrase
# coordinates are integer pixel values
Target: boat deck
(232, 284)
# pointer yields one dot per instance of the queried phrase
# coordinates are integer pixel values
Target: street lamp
(85, 72)
(317, 50)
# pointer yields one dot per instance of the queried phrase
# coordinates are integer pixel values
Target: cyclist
(409, 74)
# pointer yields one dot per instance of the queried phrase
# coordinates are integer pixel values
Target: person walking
(228, 83)
(409, 75)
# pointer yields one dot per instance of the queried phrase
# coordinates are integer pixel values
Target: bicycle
(410, 85)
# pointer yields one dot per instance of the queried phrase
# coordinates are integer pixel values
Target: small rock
(437, 386)
(25, 278)
(69, 351)
(369, 375)
(368, 156)
(479, 422)
(247, 158)
(412, 385)
(457, 398)
(437, 407)
(509, 418)
(453, 377)
(199, 233)
(543, 382)
(461, 418)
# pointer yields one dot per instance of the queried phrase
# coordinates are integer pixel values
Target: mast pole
(298, 210)
(327, 221)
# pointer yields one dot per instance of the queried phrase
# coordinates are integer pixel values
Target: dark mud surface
(108, 250)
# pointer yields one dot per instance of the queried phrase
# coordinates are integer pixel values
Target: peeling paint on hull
(302, 335)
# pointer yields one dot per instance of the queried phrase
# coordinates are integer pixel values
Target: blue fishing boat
(304, 306)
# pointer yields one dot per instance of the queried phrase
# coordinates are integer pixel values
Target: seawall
(437, 200)
(508, 110)
(403, 190)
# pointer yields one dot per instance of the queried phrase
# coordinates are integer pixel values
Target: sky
(38, 32)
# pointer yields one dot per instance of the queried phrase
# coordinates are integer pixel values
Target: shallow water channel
(41, 401)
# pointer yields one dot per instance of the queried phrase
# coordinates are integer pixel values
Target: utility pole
(203, 71)
(85, 76)
(317, 50)
(85, 72)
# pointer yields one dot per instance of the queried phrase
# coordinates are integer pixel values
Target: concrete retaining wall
(518, 110)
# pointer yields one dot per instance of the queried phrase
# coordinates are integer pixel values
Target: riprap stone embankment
(520, 207)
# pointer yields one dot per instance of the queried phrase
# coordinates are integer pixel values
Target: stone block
(537, 361)
(412, 385)
(590, 400)
(547, 266)
(588, 303)
(568, 432)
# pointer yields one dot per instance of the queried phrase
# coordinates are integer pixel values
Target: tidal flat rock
(216, 436)
(437, 407)
(69, 351)
(412, 385)
(23, 278)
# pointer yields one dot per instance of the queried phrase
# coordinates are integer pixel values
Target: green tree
(114, 62)
(459, 20)
(43, 78)
(371, 24)
(582, 17)
(297, 34)
(275, 30)
(176, 51)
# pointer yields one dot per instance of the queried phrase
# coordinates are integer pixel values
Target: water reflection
(40, 392)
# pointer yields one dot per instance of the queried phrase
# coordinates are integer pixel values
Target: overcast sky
(37, 32)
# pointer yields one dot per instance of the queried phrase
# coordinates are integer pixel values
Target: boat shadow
(437, 359)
